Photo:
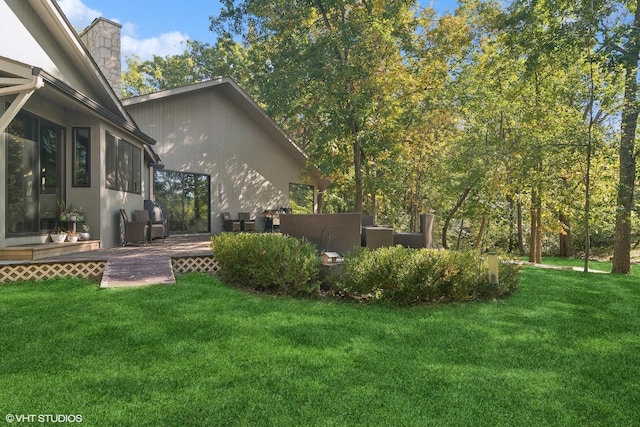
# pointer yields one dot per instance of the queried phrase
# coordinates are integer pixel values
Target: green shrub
(409, 276)
(267, 261)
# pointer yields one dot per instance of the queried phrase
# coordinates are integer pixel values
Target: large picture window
(186, 198)
(34, 174)
(123, 165)
(81, 157)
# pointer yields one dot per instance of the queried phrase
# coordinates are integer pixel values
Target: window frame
(86, 182)
(130, 180)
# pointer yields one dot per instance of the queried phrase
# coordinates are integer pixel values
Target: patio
(154, 263)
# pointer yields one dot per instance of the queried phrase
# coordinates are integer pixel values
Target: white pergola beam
(24, 88)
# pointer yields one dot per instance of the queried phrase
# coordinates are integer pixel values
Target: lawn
(564, 350)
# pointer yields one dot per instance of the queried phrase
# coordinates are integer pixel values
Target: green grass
(563, 350)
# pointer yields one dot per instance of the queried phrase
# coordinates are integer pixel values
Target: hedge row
(409, 276)
(404, 276)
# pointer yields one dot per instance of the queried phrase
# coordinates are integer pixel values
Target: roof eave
(249, 106)
(59, 25)
(94, 106)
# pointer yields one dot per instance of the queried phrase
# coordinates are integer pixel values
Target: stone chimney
(102, 39)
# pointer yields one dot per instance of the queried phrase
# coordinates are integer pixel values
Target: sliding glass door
(34, 179)
(185, 196)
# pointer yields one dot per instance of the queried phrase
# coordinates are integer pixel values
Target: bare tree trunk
(532, 238)
(622, 244)
(535, 239)
(565, 236)
(449, 217)
(460, 234)
(483, 227)
(512, 225)
(520, 229)
(374, 208)
(539, 235)
(357, 164)
(357, 160)
(320, 201)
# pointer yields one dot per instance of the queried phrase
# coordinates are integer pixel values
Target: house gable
(231, 93)
(43, 38)
(214, 128)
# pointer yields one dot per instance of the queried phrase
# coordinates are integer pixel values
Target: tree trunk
(357, 164)
(535, 239)
(539, 235)
(520, 228)
(512, 225)
(622, 244)
(374, 208)
(483, 227)
(460, 234)
(449, 217)
(320, 201)
(566, 238)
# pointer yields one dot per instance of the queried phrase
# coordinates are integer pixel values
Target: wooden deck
(153, 263)
(46, 250)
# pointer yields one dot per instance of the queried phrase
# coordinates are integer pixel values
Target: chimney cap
(96, 21)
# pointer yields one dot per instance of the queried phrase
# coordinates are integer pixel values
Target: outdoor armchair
(131, 231)
(229, 224)
(246, 223)
(153, 230)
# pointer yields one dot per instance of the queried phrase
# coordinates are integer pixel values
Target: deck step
(138, 271)
(39, 251)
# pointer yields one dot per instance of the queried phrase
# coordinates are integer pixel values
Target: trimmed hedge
(267, 261)
(278, 263)
(411, 276)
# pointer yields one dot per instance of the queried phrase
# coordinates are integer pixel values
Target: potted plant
(79, 211)
(84, 234)
(62, 210)
(72, 236)
(72, 214)
(58, 236)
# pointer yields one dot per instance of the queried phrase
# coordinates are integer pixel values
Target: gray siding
(26, 39)
(204, 132)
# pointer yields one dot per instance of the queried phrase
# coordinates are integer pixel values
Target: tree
(332, 73)
(199, 62)
(573, 37)
(629, 51)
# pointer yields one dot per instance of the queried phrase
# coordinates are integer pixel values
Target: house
(65, 136)
(214, 131)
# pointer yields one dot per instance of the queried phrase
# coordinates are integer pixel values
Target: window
(123, 165)
(34, 174)
(301, 198)
(110, 167)
(81, 157)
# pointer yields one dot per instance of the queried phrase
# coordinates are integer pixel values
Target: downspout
(24, 91)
